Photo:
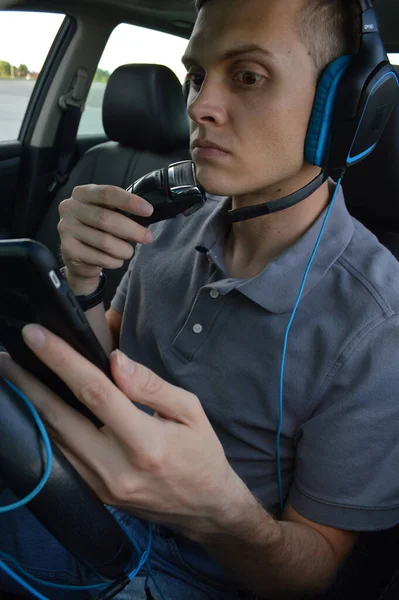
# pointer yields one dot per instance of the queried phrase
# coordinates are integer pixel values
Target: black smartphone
(33, 290)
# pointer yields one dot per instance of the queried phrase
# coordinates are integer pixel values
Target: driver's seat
(372, 196)
(372, 188)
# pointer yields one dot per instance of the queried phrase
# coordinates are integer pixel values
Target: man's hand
(169, 468)
(94, 236)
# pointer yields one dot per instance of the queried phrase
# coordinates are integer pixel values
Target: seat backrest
(372, 187)
(369, 571)
(391, 592)
(372, 196)
(145, 117)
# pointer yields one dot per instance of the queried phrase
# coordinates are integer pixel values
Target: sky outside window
(25, 38)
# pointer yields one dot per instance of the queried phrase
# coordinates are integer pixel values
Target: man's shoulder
(372, 267)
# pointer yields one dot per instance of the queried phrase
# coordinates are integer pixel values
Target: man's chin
(219, 181)
(214, 183)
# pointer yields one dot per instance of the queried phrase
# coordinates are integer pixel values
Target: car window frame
(50, 68)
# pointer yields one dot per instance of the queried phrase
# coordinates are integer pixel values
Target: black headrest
(144, 108)
(372, 187)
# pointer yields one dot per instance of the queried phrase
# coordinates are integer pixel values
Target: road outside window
(130, 44)
(25, 40)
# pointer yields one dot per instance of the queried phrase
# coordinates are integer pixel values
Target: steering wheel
(66, 506)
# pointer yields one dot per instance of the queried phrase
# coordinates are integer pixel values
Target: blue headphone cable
(47, 450)
(282, 367)
(108, 589)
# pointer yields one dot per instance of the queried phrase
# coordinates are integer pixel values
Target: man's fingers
(91, 451)
(44, 400)
(80, 442)
(102, 219)
(94, 238)
(145, 387)
(111, 196)
(129, 424)
(59, 416)
(88, 257)
(93, 477)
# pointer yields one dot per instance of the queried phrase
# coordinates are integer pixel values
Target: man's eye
(248, 77)
(195, 79)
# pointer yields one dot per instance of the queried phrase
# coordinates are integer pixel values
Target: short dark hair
(328, 28)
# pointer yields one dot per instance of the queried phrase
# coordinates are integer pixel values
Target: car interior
(145, 127)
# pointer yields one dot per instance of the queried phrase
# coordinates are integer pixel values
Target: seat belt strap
(72, 105)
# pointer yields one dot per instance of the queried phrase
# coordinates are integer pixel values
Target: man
(205, 306)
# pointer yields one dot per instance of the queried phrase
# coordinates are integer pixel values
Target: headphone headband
(366, 4)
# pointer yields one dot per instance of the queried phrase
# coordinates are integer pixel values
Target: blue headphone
(354, 100)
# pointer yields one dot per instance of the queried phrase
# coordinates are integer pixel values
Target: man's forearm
(274, 559)
(96, 316)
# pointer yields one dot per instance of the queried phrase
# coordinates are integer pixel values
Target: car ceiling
(175, 16)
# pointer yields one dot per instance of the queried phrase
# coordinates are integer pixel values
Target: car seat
(372, 187)
(372, 196)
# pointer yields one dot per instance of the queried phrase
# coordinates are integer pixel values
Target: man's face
(252, 90)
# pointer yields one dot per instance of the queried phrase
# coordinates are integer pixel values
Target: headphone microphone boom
(354, 100)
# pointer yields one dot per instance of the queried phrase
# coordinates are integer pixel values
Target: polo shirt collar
(276, 288)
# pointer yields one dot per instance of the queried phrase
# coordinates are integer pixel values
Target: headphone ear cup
(318, 137)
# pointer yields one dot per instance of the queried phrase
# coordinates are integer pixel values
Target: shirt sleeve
(347, 452)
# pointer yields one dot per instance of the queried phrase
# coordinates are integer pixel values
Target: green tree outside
(5, 69)
(22, 71)
(8, 71)
(101, 76)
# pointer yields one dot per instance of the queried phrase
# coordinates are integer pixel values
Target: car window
(25, 40)
(129, 44)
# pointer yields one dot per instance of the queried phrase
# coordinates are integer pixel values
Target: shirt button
(214, 293)
(197, 328)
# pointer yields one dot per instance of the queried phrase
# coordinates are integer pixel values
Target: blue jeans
(183, 569)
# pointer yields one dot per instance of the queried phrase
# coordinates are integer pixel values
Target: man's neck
(252, 244)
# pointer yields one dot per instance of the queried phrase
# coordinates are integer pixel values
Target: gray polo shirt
(222, 339)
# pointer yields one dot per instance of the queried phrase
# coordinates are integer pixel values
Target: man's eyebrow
(189, 59)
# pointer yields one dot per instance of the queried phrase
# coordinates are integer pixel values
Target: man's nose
(207, 105)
